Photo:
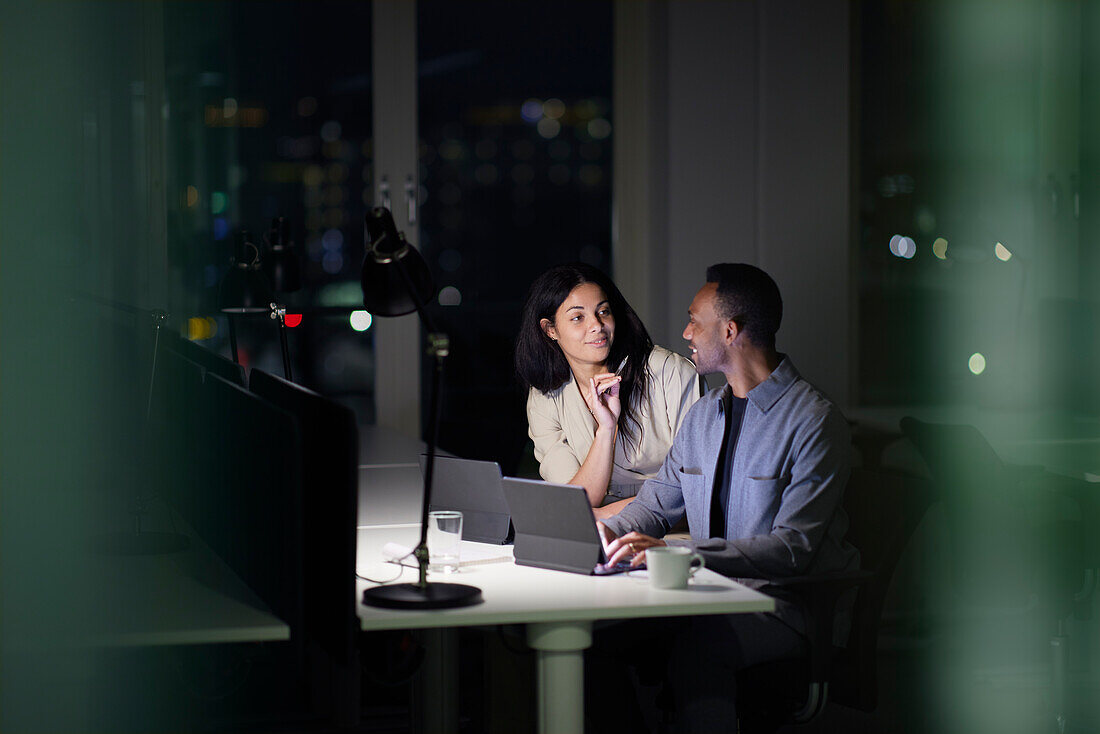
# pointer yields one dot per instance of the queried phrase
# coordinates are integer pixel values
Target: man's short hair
(748, 296)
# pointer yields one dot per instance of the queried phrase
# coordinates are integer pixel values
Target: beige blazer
(562, 428)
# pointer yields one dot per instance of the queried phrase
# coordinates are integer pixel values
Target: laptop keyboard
(606, 569)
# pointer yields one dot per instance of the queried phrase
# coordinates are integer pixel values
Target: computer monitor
(210, 361)
(245, 493)
(329, 458)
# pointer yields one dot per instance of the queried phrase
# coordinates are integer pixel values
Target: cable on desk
(395, 561)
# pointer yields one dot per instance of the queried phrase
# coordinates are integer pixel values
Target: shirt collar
(768, 392)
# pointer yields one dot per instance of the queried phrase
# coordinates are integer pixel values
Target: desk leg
(561, 647)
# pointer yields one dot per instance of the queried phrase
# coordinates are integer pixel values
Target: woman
(604, 403)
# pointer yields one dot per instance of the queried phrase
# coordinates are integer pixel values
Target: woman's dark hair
(540, 362)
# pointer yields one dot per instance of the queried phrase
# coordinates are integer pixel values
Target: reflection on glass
(269, 114)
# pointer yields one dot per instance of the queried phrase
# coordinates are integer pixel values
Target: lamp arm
(159, 317)
(439, 347)
(278, 313)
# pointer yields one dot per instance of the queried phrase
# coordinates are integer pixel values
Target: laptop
(555, 528)
(473, 488)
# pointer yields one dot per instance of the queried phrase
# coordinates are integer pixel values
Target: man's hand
(631, 546)
(606, 535)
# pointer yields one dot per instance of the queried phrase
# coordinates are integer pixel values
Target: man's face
(706, 331)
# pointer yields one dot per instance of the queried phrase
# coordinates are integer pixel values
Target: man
(758, 468)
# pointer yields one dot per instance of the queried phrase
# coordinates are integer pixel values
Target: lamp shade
(391, 267)
(281, 266)
(244, 288)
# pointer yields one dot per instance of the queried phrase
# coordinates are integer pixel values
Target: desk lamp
(246, 292)
(137, 541)
(281, 265)
(396, 281)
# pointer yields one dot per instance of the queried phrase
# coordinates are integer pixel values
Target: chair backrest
(884, 509)
(955, 454)
(210, 361)
(1012, 539)
(329, 459)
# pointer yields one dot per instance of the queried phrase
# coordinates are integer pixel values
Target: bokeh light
(977, 363)
(450, 296)
(332, 240)
(939, 248)
(1001, 252)
(895, 245)
(221, 228)
(486, 174)
(531, 111)
(548, 128)
(553, 108)
(452, 150)
(360, 320)
(307, 106)
(330, 131)
(313, 176)
(200, 328)
(332, 262)
(599, 128)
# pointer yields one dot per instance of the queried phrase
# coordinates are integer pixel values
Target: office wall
(756, 148)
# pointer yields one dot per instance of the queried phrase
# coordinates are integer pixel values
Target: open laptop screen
(473, 488)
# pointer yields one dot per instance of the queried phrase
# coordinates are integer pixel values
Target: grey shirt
(784, 516)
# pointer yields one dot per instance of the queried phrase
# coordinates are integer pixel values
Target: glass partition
(515, 176)
(269, 115)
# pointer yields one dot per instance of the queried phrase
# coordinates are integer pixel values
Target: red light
(293, 319)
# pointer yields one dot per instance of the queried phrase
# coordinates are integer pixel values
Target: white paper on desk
(470, 555)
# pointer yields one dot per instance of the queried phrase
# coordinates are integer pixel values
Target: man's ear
(548, 329)
(732, 330)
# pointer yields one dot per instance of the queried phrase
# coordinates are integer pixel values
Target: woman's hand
(602, 398)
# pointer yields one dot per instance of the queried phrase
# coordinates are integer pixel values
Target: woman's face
(583, 325)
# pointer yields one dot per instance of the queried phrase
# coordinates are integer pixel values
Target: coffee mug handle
(692, 568)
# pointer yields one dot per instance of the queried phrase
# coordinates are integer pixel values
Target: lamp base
(432, 596)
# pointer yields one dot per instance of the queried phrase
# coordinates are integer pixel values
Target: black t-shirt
(734, 409)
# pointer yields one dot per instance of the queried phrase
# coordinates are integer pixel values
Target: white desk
(557, 607)
(186, 598)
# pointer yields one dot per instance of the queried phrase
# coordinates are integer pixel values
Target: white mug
(670, 567)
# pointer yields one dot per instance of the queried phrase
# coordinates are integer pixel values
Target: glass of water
(444, 536)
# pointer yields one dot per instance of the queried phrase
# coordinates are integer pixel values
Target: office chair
(1019, 541)
(884, 508)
